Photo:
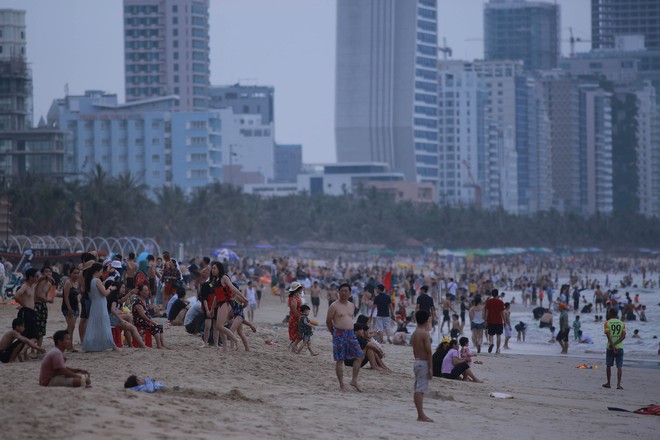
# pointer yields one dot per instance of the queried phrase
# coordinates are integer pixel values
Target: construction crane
(446, 51)
(473, 184)
(572, 40)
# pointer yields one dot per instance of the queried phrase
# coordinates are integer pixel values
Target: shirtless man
(315, 294)
(333, 295)
(423, 366)
(12, 342)
(446, 307)
(25, 297)
(131, 270)
(41, 297)
(344, 342)
(598, 299)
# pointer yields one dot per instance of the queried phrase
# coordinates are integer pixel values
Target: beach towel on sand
(653, 410)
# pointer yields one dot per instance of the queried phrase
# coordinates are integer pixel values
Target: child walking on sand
(423, 366)
(306, 330)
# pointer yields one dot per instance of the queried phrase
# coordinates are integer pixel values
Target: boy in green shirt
(615, 330)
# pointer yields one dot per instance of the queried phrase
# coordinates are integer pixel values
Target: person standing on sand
(423, 366)
(506, 317)
(315, 294)
(344, 342)
(564, 329)
(493, 317)
(131, 270)
(615, 330)
(25, 297)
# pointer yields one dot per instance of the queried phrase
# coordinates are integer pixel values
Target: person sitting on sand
(142, 318)
(465, 351)
(399, 337)
(439, 355)
(54, 372)
(373, 353)
(13, 342)
(454, 367)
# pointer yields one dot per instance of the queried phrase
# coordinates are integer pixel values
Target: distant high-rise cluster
(524, 129)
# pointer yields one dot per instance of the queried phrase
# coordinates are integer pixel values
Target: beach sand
(271, 393)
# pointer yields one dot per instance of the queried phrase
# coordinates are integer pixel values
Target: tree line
(217, 213)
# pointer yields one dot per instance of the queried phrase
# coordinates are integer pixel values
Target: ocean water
(536, 342)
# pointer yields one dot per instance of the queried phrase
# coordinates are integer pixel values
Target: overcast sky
(288, 44)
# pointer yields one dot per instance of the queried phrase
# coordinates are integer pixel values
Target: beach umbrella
(225, 254)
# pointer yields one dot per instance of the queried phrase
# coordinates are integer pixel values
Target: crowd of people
(116, 302)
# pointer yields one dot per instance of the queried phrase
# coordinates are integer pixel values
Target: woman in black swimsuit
(70, 303)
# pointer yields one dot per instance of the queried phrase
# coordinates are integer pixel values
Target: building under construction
(23, 149)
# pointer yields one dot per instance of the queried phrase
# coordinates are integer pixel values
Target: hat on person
(562, 306)
(106, 262)
(116, 264)
(446, 339)
(295, 286)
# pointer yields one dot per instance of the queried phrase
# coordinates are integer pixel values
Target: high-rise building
(533, 147)
(386, 85)
(501, 155)
(648, 150)
(615, 23)
(562, 100)
(461, 107)
(22, 149)
(522, 30)
(612, 18)
(595, 124)
(166, 47)
(16, 93)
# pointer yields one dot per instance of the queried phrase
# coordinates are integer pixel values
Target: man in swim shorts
(344, 342)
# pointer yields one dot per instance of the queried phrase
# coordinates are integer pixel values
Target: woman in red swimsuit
(295, 302)
(224, 292)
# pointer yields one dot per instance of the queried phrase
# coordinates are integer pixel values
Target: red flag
(387, 281)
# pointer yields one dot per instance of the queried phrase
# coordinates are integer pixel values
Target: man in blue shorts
(344, 342)
(615, 330)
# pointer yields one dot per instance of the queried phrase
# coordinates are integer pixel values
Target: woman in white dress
(98, 336)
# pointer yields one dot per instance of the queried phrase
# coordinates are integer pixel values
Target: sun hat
(295, 286)
(116, 264)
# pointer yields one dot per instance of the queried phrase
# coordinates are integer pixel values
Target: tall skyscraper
(522, 30)
(22, 148)
(386, 85)
(166, 46)
(612, 18)
(16, 93)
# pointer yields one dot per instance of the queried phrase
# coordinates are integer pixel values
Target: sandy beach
(271, 393)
